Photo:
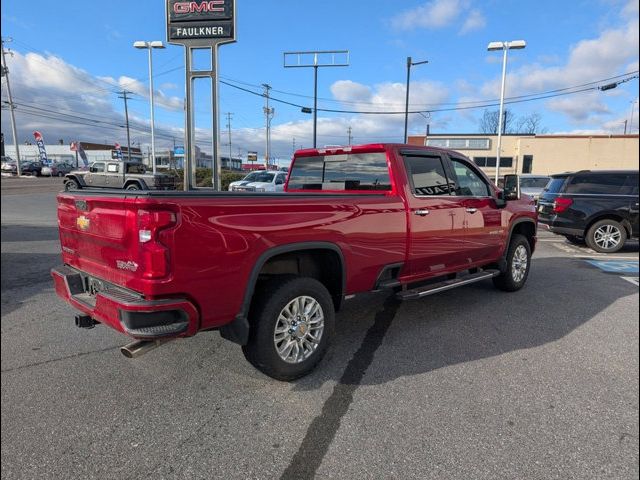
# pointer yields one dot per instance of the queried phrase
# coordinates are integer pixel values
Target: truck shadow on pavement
(458, 326)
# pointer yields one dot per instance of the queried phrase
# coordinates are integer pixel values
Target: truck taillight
(561, 204)
(154, 255)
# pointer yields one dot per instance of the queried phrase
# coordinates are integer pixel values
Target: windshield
(536, 182)
(555, 184)
(265, 177)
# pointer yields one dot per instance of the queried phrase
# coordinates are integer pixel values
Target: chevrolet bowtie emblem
(83, 222)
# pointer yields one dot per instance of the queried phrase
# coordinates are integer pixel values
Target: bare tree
(489, 122)
(528, 124)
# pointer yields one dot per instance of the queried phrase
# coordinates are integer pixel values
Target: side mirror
(511, 187)
(92, 169)
(500, 201)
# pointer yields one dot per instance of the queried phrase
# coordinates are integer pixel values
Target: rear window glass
(555, 184)
(358, 171)
(427, 176)
(533, 182)
(597, 184)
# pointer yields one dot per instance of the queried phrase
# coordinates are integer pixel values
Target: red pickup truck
(269, 270)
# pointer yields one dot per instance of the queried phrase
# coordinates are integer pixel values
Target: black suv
(596, 207)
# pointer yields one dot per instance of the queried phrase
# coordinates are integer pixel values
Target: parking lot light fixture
(150, 46)
(504, 46)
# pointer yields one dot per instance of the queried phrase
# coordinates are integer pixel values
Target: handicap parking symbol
(616, 266)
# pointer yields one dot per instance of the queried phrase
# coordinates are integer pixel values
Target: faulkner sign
(200, 20)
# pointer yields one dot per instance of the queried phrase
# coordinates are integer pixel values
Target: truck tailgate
(97, 236)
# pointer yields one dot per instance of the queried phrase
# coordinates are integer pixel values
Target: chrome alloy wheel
(519, 263)
(298, 329)
(607, 237)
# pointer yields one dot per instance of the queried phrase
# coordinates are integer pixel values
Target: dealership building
(58, 153)
(541, 154)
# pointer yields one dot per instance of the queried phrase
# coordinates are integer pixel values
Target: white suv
(260, 181)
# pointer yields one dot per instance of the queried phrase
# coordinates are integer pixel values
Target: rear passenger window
(595, 183)
(351, 172)
(427, 176)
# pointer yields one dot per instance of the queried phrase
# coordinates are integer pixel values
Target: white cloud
(613, 52)
(475, 21)
(432, 14)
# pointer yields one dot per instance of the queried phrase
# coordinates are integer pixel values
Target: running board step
(446, 285)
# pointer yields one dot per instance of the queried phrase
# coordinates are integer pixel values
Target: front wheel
(518, 265)
(70, 185)
(292, 321)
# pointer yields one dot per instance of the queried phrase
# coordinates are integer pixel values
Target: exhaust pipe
(140, 347)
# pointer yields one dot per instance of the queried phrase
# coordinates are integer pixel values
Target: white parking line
(633, 280)
(607, 257)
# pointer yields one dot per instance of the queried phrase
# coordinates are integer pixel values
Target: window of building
(360, 171)
(460, 143)
(491, 161)
(427, 176)
(469, 183)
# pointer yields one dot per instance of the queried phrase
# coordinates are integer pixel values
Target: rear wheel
(606, 236)
(60, 174)
(575, 239)
(133, 186)
(518, 265)
(292, 321)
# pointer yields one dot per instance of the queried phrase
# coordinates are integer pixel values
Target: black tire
(71, 185)
(271, 300)
(60, 174)
(133, 186)
(606, 236)
(509, 280)
(574, 239)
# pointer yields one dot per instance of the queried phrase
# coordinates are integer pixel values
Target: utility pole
(5, 73)
(349, 134)
(229, 115)
(293, 146)
(268, 114)
(123, 95)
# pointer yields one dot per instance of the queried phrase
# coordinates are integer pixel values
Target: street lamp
(504, 46)
(150, 46)
(406, 104)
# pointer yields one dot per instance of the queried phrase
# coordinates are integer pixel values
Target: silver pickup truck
(115, 174)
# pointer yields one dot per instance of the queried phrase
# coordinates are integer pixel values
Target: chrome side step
(420, 292)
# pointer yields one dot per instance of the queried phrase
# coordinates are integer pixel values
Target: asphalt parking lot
(473, 383)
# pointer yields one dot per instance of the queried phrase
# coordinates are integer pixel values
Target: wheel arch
(305, 258)
(140, 184)
(609, 216)
(79, 179)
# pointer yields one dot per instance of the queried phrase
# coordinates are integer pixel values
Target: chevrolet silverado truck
(118, 174)
(269, 270)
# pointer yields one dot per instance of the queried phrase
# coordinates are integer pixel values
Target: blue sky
(70, 58)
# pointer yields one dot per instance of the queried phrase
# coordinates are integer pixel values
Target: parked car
(9, 165)
(110, 175)
(269, 270)
(596, 207)
(31, 168)
(57, 169)
(533, 185)
(260, 181)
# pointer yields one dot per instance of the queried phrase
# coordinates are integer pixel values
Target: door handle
(421, 212)
(472, 210)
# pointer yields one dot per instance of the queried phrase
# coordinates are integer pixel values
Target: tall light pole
(504, 46)
(150, 46)
(406, 103)
(5, 73)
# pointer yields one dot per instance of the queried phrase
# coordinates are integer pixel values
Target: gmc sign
(200, 20)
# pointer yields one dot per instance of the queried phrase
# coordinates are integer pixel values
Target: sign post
(195, 25)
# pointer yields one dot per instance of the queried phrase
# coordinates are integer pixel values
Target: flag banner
(82, 154)
(41, 150)
(118, 151)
